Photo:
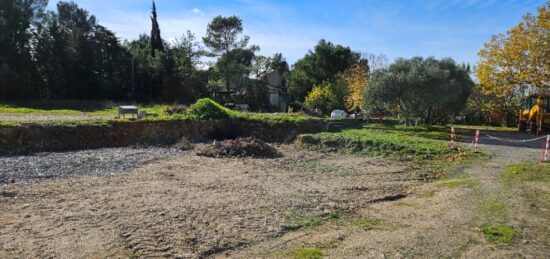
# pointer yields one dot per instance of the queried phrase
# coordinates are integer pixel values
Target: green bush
(208, 109)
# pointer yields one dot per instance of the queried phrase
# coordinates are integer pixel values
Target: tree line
(67, 54)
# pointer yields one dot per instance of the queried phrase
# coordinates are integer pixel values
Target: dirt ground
(190, 206)
(343, 206)
(438, 220)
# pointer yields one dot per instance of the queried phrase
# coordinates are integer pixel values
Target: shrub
(321, 97)
(208, 109)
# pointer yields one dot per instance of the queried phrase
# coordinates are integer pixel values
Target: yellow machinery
(534, 115)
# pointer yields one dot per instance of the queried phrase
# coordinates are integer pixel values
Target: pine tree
(156, 40)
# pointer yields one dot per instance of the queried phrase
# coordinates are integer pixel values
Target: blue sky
(396, 28)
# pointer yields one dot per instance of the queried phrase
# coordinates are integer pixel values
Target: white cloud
(197, 11)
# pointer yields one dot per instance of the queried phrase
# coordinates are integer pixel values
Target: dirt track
(189, 206)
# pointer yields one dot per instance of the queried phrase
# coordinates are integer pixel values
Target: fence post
(476, 139)
(452, 137)
(545, 151)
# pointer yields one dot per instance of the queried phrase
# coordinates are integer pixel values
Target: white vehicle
(338, 114)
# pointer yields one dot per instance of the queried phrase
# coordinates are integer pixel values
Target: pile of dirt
(240, 147)
(184, 144)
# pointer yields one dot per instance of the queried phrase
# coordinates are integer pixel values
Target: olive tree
(427, 90)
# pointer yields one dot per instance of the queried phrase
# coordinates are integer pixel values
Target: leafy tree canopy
(516, 63)
(325, 62)
(222, 35)
(428, 89)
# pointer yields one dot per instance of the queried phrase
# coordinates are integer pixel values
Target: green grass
(294, 118)
(372, 224)
(134, 255)
(105, 110)
(528, 184)
(461, 181)
(429, 132)
(298, 220)
(70, 107)
(525, 177)
(494, 208)
(56, 107)
(499, 234)
(308, 253)
(428, 194)
(526, 172)
(383, 140)
(203, 109)
(483, 127)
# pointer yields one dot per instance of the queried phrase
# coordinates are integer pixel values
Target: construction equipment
(534, 115)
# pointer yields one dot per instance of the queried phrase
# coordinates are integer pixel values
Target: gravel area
(98, 162)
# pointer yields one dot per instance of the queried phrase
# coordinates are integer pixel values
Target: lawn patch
(526, 172)
(499, 234)
(308, 253)
(372, 224)
(298, 220)
(494, 207)
(461, 181)
(377, 142)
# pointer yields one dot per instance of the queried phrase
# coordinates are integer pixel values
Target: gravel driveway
(98, 162)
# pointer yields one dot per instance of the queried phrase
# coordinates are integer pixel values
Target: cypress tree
(156, 40)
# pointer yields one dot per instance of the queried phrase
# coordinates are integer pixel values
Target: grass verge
(378, 142)
(405, 143)
(203, 109)
(372, 224)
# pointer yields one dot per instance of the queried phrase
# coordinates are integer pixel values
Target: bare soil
(437, 220)
(344, 206)
(190, 206)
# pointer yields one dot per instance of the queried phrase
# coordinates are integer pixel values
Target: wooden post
(476, 140)
(452, 137)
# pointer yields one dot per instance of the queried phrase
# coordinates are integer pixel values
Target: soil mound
(240, 147)
(184, 144)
